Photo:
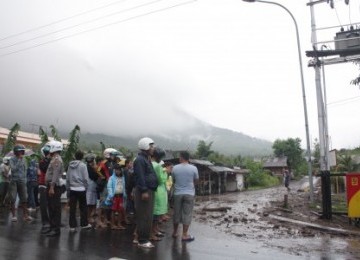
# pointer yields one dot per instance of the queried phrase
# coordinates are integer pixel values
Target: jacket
(43, 165)
(111, 186)
(18, 169)
(145, 176)
(77, 177)
(54, 171)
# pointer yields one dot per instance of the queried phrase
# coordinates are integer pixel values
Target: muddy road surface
(253, 216)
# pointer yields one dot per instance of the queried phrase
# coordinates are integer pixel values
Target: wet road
(23, 241)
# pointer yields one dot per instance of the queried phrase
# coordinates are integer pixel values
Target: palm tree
(11, 140)
(43, 136)
(70, 150)
(55, 133)
(346, 163)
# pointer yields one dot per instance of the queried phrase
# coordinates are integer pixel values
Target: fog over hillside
(180, 131)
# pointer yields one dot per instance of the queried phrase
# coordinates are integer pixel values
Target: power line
(61, 20)
(349, 12)
(337, 15)
(344, 101)
(79, 24)
(99, 27)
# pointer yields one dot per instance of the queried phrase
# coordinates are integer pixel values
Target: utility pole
(308, 158)
(324, 165)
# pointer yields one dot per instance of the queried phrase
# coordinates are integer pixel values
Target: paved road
(24, 241)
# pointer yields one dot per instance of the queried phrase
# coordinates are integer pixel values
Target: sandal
(159, 234)
(155, 238)
(28, 219)
(146, 245)
(188, 239)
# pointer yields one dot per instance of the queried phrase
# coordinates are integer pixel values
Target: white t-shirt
(119, 185)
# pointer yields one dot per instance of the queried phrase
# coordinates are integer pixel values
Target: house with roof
(29, 140)
(276, 165)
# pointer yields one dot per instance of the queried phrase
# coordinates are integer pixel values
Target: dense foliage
(259, 177)
(11, 139)
(291, 148)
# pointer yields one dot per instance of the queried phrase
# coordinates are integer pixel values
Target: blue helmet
(45, 150)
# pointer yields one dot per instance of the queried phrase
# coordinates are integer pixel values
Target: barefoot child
(116, 192)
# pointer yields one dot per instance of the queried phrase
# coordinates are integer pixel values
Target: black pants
(44, 206)
(54, 207)
(75, 197)
(144, 215)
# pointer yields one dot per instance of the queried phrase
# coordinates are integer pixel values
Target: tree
(346, 163)
(291, 149)
(258, 177)
(43, 136)
(356, 81)
(11, 139)
(70, 150)
(55, 133)
(203, 149)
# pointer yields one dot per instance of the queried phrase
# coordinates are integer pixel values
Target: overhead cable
(98, 27)
(79, 24)
(61, 20)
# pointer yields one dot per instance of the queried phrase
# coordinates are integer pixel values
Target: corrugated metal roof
(220, 169)
(276, 162)
(201, 162)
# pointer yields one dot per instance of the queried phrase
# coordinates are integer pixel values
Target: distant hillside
(224, 141)
(181, 131)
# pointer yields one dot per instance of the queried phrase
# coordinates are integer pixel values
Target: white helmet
(55, 146)
(6, 160)
(144, 143)
(108, 151)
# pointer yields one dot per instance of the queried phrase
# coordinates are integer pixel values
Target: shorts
(91, 194)
(118, 203)
(91, 198)
(183, 208)
(17, 187)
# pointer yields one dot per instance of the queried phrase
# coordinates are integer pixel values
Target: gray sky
(230, 63)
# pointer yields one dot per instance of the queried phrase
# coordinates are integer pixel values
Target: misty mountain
(181, 131)
(224, 141)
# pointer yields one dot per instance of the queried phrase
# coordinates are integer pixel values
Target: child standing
(116, 197)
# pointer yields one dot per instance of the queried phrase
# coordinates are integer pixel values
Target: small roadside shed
(237, 180)
(220, 178)
(206, 181)
(214, 179)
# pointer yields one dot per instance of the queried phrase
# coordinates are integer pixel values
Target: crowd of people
(107, 190)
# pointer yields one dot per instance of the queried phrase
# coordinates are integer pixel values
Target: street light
(303, 92)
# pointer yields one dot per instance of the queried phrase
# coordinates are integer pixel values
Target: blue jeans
(31, 188)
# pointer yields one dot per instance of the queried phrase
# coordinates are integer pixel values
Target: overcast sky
(121, 66)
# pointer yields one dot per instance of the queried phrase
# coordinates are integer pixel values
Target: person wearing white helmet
(145, 186)
(4, 179)
(52, 179)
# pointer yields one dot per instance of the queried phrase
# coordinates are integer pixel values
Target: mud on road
(254, 216)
